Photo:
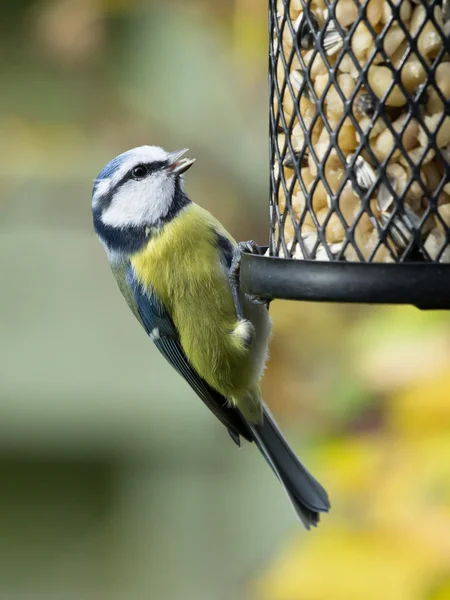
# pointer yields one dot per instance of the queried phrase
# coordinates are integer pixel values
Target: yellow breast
(182, 265)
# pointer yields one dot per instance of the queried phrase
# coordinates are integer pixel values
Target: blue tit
(176, 268)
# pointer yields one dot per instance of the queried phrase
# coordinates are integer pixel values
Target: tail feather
(306, 494)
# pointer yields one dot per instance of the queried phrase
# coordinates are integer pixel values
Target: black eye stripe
(151, 168)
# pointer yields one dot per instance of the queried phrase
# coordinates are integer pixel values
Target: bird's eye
(139, 172)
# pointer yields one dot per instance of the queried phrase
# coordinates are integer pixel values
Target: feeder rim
(424, 285)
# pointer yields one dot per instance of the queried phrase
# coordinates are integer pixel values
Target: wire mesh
(360, 132)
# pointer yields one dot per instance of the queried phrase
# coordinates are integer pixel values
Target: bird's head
(139, 188)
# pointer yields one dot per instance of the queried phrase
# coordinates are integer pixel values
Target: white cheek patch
(128, 160)
(140, 202)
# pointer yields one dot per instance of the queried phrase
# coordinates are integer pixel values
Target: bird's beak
(178, 165)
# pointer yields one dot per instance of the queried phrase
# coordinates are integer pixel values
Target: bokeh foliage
(385, 458)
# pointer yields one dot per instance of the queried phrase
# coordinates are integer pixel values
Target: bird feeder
(359, 153)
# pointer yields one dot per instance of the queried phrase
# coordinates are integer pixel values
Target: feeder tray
(359, 154)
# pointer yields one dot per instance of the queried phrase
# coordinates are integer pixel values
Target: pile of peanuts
(313, 119)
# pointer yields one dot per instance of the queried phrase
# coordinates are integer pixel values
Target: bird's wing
(160, 328)
(120, 271)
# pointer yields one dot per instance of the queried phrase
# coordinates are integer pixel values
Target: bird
(178, 270)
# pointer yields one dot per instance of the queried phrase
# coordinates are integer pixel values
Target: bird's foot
(251, 247)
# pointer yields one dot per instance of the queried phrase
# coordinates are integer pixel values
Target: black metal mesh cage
(360, 133)
(360, 130)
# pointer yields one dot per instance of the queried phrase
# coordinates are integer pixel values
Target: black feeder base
(426, 286)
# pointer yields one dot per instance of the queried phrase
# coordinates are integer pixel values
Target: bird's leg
(233, 277)
(234, 272)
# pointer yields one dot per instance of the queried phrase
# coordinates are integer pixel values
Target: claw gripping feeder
(359, 153)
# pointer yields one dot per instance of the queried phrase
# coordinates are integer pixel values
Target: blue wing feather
(160, 328)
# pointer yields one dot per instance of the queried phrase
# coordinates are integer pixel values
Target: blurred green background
(115, 482)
